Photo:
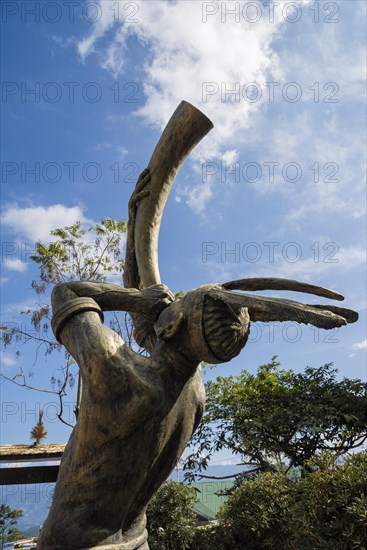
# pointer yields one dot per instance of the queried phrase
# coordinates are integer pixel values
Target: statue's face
(213, 326)
(170, 321)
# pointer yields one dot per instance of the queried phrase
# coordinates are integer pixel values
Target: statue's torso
(117, 458)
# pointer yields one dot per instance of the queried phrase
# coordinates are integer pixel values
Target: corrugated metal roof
(207, 494)
(203, 510)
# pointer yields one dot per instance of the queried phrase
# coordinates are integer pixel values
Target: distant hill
(33, 499)
(31, 531)
(216, 471)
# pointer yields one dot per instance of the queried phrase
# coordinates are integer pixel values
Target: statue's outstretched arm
(278, 309)
(78, 308)
(149, 302)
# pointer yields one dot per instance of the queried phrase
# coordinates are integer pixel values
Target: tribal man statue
(137, 413)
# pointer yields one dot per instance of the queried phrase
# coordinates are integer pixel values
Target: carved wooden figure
(137, 413)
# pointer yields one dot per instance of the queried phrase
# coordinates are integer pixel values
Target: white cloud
(187, 58)
(122, 151)
(17, 308)
(230, 157)
(338, 260)
(106, 18)
(332, 171)
(34, 223)
(15, 264)
(197, 197)
(62, 42)
(7, 360)
(360, 345)
(102, 146)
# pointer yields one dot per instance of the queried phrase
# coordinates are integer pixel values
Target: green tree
(327, 508)
(8, 520)
(258, 512)
(77, 253)
(277, 420)
(170, 516)
(14, 534)
(212, 536)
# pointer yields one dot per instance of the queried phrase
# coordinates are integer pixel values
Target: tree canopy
(8, 520)
(277, 420)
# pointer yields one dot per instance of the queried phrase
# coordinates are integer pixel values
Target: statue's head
(213, 325)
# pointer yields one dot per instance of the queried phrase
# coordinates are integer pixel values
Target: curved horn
(185, 129)
(270, 283)
(183, 132)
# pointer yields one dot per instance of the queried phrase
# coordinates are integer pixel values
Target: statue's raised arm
(138, 413)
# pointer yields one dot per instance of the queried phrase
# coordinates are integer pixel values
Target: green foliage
(213, 537)
(8, 520)
(278, 420)
(259, 512)
(81, 254)
(330, 506)
(75, 253)
(294, 430)
(171, 521)
(78, 254)
(327, 508)
(14, 534)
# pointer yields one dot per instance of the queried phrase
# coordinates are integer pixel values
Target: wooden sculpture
(137, 413)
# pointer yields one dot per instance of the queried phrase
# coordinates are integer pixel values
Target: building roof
(210, 497)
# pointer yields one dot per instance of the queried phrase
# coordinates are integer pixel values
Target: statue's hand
(157, 298)
(141, 190)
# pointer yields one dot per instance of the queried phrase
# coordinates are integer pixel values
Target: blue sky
(276, 189)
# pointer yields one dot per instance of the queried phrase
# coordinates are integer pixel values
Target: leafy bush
(171, 520)
(213, 536)
(330, 506)
(258, 512)
(327, 508)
